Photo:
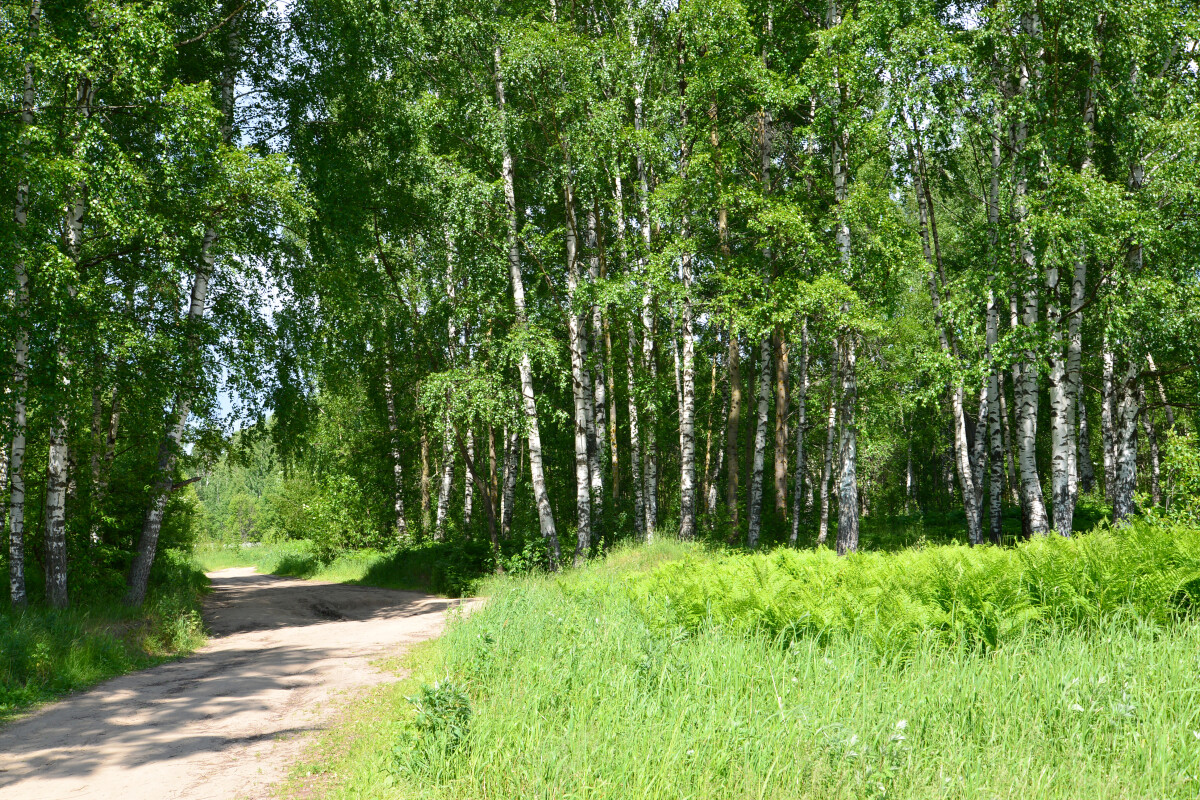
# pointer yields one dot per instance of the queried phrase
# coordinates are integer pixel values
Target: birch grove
(764, 275)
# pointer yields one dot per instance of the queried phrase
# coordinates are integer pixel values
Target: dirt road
(229, 721)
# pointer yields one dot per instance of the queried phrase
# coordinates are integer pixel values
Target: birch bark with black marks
(847, 538)
(830, 433)
(1125, 446)
(16, 464)
(525, 365)
(1108, 439)
(754, 510)
(801, 396)
(579, 383)
(734, 370)
(512, 447)
(597, 441)
(449, 433)
(394, 447)
(426, 483)
(1026, 385)
(783, 386)
(469, 486)
(995, 422)
(635, 447)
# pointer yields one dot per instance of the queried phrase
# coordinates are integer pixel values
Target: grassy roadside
(45, 653)
(446, 568)
(577, 686)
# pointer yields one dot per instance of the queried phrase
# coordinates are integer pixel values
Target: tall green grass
(586, 686)
(46, 652)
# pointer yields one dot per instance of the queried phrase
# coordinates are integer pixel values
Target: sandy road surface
(228, 721)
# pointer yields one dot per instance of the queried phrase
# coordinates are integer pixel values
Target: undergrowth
(46, 652)
(450, 568)
(591, 685)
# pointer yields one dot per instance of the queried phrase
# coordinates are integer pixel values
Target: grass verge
(576, 686)
(45, 653)
(449, 568)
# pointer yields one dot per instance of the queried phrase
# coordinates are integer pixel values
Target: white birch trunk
(1125, 453)
(139, 570)
(754, 512)
(525, 366)
(830, 431)
(1107, 427)
(397, 465)
(635, 451)
(512, 447)
(447, 479)
(732, 427)
(579, 381)
(801, 397)
(995, 423)
(650, 370)
(687, 417)
(469, 485)
(1087, 469)
(16, 465)
(847, 538)
(1027, 385)
(959, 421)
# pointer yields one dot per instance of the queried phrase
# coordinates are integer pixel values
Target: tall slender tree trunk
(959, 421)
(426, 482)
(801, 426)
(525, 366)
(1087, 469)
(847, 538)
(687, 395)
(394, 445)
(713, 466)
(1108, 438)
(16, 465)
(469, 485)
(139, 570)
(1027, 385)
(830, 432)
(995, 389)
(623, 244)
(512, 447)
(635, 447)
(596, 382)
(1006, 426)
(1125, 452)
(733, 366)
(1152, 445)
(579, 385)
(783, 386)
(449, 432)
(1162, 392)
(755, 504)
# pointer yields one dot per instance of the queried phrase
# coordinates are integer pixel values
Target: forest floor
(284, 658)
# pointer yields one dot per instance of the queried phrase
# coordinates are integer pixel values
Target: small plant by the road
(439, 726)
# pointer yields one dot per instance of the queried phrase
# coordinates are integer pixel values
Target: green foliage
(951, 595)
(46, 652)
(575, 692)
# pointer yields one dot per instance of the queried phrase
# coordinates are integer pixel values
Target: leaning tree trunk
(754, 511)
(525, 365)
(959, 420)
(801, 425)
(139, 571)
